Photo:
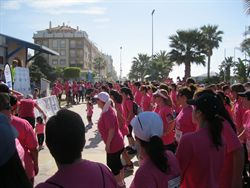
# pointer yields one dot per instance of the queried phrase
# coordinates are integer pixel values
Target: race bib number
(178, 135)
(174, 183)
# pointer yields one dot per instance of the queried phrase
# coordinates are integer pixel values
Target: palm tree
(247, 6)
(140, 66)
(186, 48)
(211, 39)
(99, 64)
(241, 70)
(225, 66)
(161, 66)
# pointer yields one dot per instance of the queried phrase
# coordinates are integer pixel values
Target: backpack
(136, 108)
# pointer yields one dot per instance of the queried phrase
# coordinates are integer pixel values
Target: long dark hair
(155, 150)
(116, 95)
(223, 111)
(127, 92)
(12, 173)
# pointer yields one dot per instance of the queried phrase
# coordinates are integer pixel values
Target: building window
(62, 62)
(72, 44)
(54, 62)
(62, 44)
(80, 53)
(72, 53)
(54, 44)
(62, 52)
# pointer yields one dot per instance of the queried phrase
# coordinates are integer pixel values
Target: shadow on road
(94, 141)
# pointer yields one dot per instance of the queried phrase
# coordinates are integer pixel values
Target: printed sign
(7, 75)
(49, 105)
(22, 80)
(45, 91)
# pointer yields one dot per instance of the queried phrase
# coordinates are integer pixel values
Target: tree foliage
(211, 39)
(72, 72)
(187, 48)
(225, 68)
(241, 70)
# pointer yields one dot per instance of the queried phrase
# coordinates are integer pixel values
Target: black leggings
(40, 138)
(114, 162)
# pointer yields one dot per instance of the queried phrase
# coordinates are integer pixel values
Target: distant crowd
(183, 134)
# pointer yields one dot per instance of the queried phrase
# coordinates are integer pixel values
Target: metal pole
(152, 33)
(120, 63)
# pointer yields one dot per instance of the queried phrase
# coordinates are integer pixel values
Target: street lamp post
(153, 11)
(120, 63)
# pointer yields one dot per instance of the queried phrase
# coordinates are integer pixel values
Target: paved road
(94, 149)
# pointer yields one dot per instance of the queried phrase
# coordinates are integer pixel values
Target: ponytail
(215, 128)
(155, 150)
(128, 92)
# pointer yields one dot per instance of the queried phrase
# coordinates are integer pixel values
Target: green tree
(241, 71)
(140, 67)
(225, 67)
(211, 39)
(99, 64)
(161, 66)
(44, 67)
(247, 6)
(72, 72)
(186, 49)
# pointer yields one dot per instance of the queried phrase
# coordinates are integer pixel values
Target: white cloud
(11, 4)
(102, 20)
(56, 6)
(88, 11)
(44, 4)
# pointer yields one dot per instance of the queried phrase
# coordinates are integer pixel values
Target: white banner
(7, 75)
(22, 80)
(49, 105)
(45, 90)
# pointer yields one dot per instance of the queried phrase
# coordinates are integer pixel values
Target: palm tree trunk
(187, 70)
(208, 66)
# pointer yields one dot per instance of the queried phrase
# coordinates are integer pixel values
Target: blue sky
(127, 23)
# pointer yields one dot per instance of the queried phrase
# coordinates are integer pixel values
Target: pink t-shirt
(238, 111)
(82, 174)
(232, 144)
(200, 162)
(121, 120)
(26, 108)
(20, 151)
(166, 114)
(149, 176)
(184, 123)
(40, 128)
(107, 121)
(128, 107)
(146, 102)
(246, 124)
(138, 97)
(27, 139)
(56, 91)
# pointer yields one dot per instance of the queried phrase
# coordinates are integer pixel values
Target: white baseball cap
(7, 139)
(102, 96)
(147, 125)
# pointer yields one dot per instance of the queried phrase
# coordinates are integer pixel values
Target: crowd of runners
(184, 135)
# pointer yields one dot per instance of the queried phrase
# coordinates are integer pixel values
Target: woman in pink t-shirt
(165, 110)
(183, 122)
(158, 168)
(112, 137)
(127, 102)
(201, 154)
(40, 131)
(146, 99)
(117, 99)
